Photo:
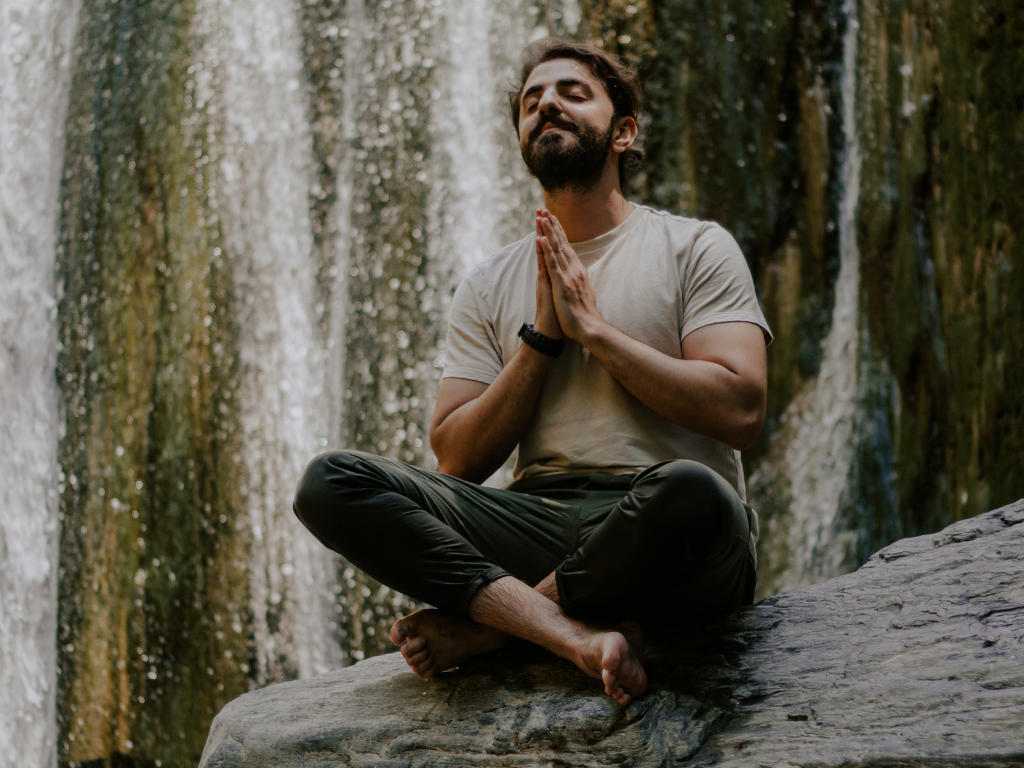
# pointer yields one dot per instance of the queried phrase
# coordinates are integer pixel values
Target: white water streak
(820, 457)
(35, 65)
(470, 143)
(267, 169)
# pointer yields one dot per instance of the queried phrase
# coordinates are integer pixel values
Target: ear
(624, 134)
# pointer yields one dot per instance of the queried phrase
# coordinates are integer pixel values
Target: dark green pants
(666, 545)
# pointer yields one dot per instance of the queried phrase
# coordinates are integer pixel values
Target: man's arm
(718, 389)
(476, 425)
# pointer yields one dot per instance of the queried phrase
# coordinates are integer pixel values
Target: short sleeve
(471, 350)
(716, 284)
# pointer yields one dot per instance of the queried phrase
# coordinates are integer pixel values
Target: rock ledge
(916, 659)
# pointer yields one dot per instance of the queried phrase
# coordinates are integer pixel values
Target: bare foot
(433, 641)
(616, 657)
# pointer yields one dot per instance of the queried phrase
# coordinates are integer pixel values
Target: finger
(543, 250)
(559, 230)
(550, 256)
(542, 265)
(552, 232)
(563, 239)
(556, 246)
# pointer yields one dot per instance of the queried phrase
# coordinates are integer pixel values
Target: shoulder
(486, 281)
(493, 276)
(687, 232)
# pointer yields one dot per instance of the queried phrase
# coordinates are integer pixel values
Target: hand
(546, 321)
(572, 294)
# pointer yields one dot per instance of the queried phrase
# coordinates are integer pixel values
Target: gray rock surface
(916, 659)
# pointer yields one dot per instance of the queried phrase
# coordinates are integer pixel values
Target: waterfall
(35, 53)
(263, 202)
(820, 456)
(471, 146)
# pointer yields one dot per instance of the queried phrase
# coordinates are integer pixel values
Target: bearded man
(623, 350)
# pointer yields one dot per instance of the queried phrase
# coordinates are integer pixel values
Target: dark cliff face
(745, 126)
(942, 112)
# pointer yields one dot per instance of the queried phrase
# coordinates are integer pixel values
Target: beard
(560, 161)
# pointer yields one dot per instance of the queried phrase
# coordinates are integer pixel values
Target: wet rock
(915, 659)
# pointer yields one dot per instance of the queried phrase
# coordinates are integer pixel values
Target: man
(642, 376)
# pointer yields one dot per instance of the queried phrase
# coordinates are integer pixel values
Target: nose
(549, 103)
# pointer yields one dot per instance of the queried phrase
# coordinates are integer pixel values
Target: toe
(414, 645)
(403, 629)
(398, 632)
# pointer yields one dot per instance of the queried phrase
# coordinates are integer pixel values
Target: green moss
(944, 134)
(152, 567)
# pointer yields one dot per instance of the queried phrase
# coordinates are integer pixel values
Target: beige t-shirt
(657, 277)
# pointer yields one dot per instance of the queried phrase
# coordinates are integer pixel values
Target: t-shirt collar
(603, 241)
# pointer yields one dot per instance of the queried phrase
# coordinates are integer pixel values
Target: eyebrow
(564, 82)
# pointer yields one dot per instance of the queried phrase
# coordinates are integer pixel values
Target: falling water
(267, 172)
(35, 54)
(471, 145)
(820, 456)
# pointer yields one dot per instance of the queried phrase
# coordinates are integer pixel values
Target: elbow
(743, 436)
(747, 427)
(449, 462)
(445, 461)
(459, 470)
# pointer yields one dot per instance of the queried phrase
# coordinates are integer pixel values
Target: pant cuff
(491, 574)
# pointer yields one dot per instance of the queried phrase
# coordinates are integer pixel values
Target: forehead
(549, 72)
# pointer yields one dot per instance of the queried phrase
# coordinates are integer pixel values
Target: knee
(680, 481)
(318, 489)
(685, 497)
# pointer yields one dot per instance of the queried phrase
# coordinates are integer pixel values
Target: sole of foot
(432, 641)
(616, 658)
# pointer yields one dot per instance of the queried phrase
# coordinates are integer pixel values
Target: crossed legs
(671, 538)
(432, 641)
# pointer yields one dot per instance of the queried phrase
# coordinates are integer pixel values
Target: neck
(589, 214)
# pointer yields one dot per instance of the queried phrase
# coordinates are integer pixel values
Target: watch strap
(543, 344)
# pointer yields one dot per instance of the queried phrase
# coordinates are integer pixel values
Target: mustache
(559, 121)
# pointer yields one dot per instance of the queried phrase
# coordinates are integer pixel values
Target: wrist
(539, 342)
(590, 330)
(549, 328)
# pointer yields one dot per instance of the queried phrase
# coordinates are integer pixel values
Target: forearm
(703, 396)
(475, 439)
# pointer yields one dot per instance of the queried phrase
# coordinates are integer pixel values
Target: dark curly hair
(620, 82)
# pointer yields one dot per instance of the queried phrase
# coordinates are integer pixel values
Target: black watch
(540, 342)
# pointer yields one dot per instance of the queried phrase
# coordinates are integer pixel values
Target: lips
(552, 122)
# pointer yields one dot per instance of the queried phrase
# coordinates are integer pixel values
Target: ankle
(578, 643)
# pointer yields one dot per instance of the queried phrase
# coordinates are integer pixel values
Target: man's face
(565, 125)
